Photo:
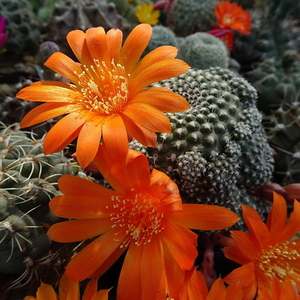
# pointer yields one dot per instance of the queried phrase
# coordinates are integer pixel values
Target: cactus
(23, 27)
(277, 81)
(190, 16)
(202, 51)
(217, 152)
(77, 14)
(28, 181)
(283, 131)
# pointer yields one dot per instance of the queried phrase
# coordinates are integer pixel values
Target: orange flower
(107, 100)
(233, 16)
(279, 291)
(144, 215)
(69, 290)
(195, 288)
(266, 251)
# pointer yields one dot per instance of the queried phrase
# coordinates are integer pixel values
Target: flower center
(141, 217)
(227, 19)
(104, 88)
(278, 261)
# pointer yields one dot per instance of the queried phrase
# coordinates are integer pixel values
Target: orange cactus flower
(195, 288)
(107, 99)
(233, 16)
(69, 290)
(279, 291)
(267, 250)
(143, 215)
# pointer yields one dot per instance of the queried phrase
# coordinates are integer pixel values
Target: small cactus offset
(28, 181)
(217, 152)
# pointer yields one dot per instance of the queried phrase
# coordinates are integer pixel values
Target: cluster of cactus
(217, 152)
(82, 14)
(28, 181)
(189, 16)
(277, 81)
(23, 27)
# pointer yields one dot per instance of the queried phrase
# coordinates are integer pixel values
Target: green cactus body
(277, 81)
(217, 152)
(28, 181)
(23, 27)
(190, 16)
(202, 51)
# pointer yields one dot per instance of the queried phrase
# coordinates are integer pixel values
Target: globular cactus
(277, 81)
(82, 14)
(202, 51)
(28, 181)
(217, 152)
(23, 27)
(190, 16)
(283, 131)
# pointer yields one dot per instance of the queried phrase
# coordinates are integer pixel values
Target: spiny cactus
(283, 131)
(217, 152)
(28, 181)
(277, 81)
(23, 27)
(202, 51)
(190, 16)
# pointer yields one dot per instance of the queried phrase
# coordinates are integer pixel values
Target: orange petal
(277, 217)
(45, 292)
(148, 117)
(181, 243)
(97, 44)
(217, 291)
(158, 54)
(162, 99)
(68, 289)
(234, 291)
(129, 286)
(63, 133)
(90, 289)
(255, 225)
(90, 258)
(158, 71)
(65, 66)
(235, 254)
(244, 275)
(204, 217)
(101, 295)
(151, 271)
(134, 46)
(77, 42)
(247, 243)
(49, 93)
(78, 230)
(293, 225)
(45, 112)
(115, 137)
(89, 140)
(114, 43)
(140, 133)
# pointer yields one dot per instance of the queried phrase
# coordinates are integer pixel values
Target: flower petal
(90, 258)
(49, 93)
(204, 217)
(158, 71)
(162, 99)
(293, 225)
(65, 66)
(134, 46)
(68, 289)
(217, 291)
(234, 253)
(45, 112)
(89, 140)
(45, 292)
(181, 243)
(149, 117)
(78, 230)
(244, 275)
(115, 137)
(63, 133)
(114, 43)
